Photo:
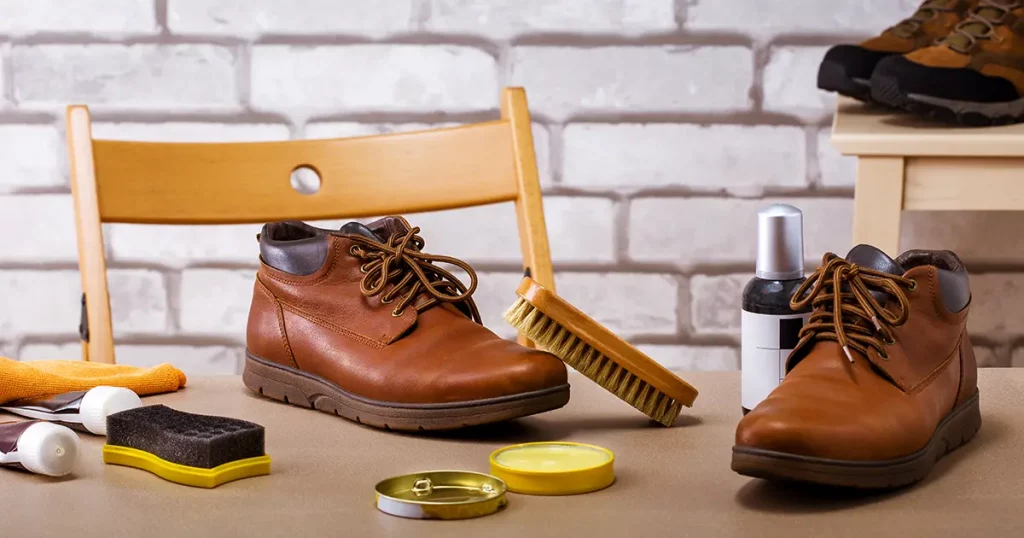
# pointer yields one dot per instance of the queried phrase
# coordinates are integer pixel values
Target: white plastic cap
(100, 402)
(48, 449)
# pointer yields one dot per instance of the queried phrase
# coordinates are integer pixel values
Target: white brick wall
(780, 17)
(30, 157)
(704, 158)
(110, 18)
(160, 77)
(419, 78)
(661, 126)
(249, 19)
(567, 81)
(503, 19)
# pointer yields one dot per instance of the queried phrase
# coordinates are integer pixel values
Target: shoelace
(926, 12)
(980, 24)
(401, 258)
(847, 287)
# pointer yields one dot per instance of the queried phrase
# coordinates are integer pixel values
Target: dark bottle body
(770, 330)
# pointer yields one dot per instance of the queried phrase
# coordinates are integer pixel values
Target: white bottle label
(765, 343)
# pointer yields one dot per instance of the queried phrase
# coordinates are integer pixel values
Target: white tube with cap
(39, 447)
(84, 411)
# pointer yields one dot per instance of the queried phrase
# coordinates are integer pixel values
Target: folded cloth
(35, 379)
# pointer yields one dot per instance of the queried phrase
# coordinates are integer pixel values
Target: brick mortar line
(566, 39)
(740, 116)
(814, 173)
(556, 153)
(7, 77)
(245, 113)
(243, 75)
(154, 339)
(761, 57)
(32, 113)
(160, 12)
(625, 266)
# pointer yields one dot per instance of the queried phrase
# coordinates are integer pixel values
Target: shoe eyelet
(913, 285)
(396, 312)
(363, 269)
(387, 301)
(352, 250)
(883, 355)
(889, 341)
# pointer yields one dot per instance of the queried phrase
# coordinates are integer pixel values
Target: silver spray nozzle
(780, 243)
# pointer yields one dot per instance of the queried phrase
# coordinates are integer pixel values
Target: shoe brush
(590, 348)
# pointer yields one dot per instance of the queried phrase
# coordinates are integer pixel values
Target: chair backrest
(219, 183)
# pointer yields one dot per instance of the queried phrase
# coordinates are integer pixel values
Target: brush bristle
(587, 360)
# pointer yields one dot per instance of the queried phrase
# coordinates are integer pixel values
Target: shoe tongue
(386, 227)
(872, 258)
(357, 228)
(378, 230)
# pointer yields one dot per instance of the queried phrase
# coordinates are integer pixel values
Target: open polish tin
(441, 495)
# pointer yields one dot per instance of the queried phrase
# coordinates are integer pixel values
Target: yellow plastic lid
(556, 468)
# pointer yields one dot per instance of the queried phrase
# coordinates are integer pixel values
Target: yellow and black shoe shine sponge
(195, 450)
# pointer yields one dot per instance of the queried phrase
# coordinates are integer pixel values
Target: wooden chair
(222, 183)
(907, 164)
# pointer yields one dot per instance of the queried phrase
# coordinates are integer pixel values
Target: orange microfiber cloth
(35, 379)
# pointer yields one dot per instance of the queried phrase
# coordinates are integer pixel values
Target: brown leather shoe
(361, 323)
(883, 381)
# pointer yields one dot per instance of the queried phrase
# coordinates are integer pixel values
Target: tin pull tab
(422, 487)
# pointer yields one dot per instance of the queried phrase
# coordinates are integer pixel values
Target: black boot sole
(832, 77)
(886, 90)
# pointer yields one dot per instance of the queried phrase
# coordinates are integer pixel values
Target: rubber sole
(306, 390)
(957, 428)
(832, 77)
(886, 90)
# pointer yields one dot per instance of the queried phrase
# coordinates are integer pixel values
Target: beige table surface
(671, 482)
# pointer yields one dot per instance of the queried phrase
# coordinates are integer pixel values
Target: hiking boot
(846, 69)
(882, 382)
(973, 77)
(360, 322)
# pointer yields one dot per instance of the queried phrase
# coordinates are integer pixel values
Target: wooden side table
(907, 163)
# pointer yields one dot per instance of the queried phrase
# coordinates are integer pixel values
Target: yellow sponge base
(183, 474)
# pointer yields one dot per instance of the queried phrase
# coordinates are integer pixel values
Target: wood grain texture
(92, 262)
(964, 184)
(222, 183)
(533, 233)
(878, 203)
(860, 129)
(203, 183)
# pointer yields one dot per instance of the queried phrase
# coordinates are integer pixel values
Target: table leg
(878, 202)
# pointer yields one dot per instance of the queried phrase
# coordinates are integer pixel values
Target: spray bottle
(769, 327)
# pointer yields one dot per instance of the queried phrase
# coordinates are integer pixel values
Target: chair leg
(878, 203)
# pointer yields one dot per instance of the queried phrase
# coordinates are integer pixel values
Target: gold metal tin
(441, 495)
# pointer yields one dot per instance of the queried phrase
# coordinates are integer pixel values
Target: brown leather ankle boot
(883, 381)
(361, 323)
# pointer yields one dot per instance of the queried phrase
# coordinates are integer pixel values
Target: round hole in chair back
(305, 179)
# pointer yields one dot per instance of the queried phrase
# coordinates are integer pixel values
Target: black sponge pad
(201, 441)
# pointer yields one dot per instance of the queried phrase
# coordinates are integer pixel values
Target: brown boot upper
(933, 20)
(365, 309)
(865, 392)
(990, 41)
